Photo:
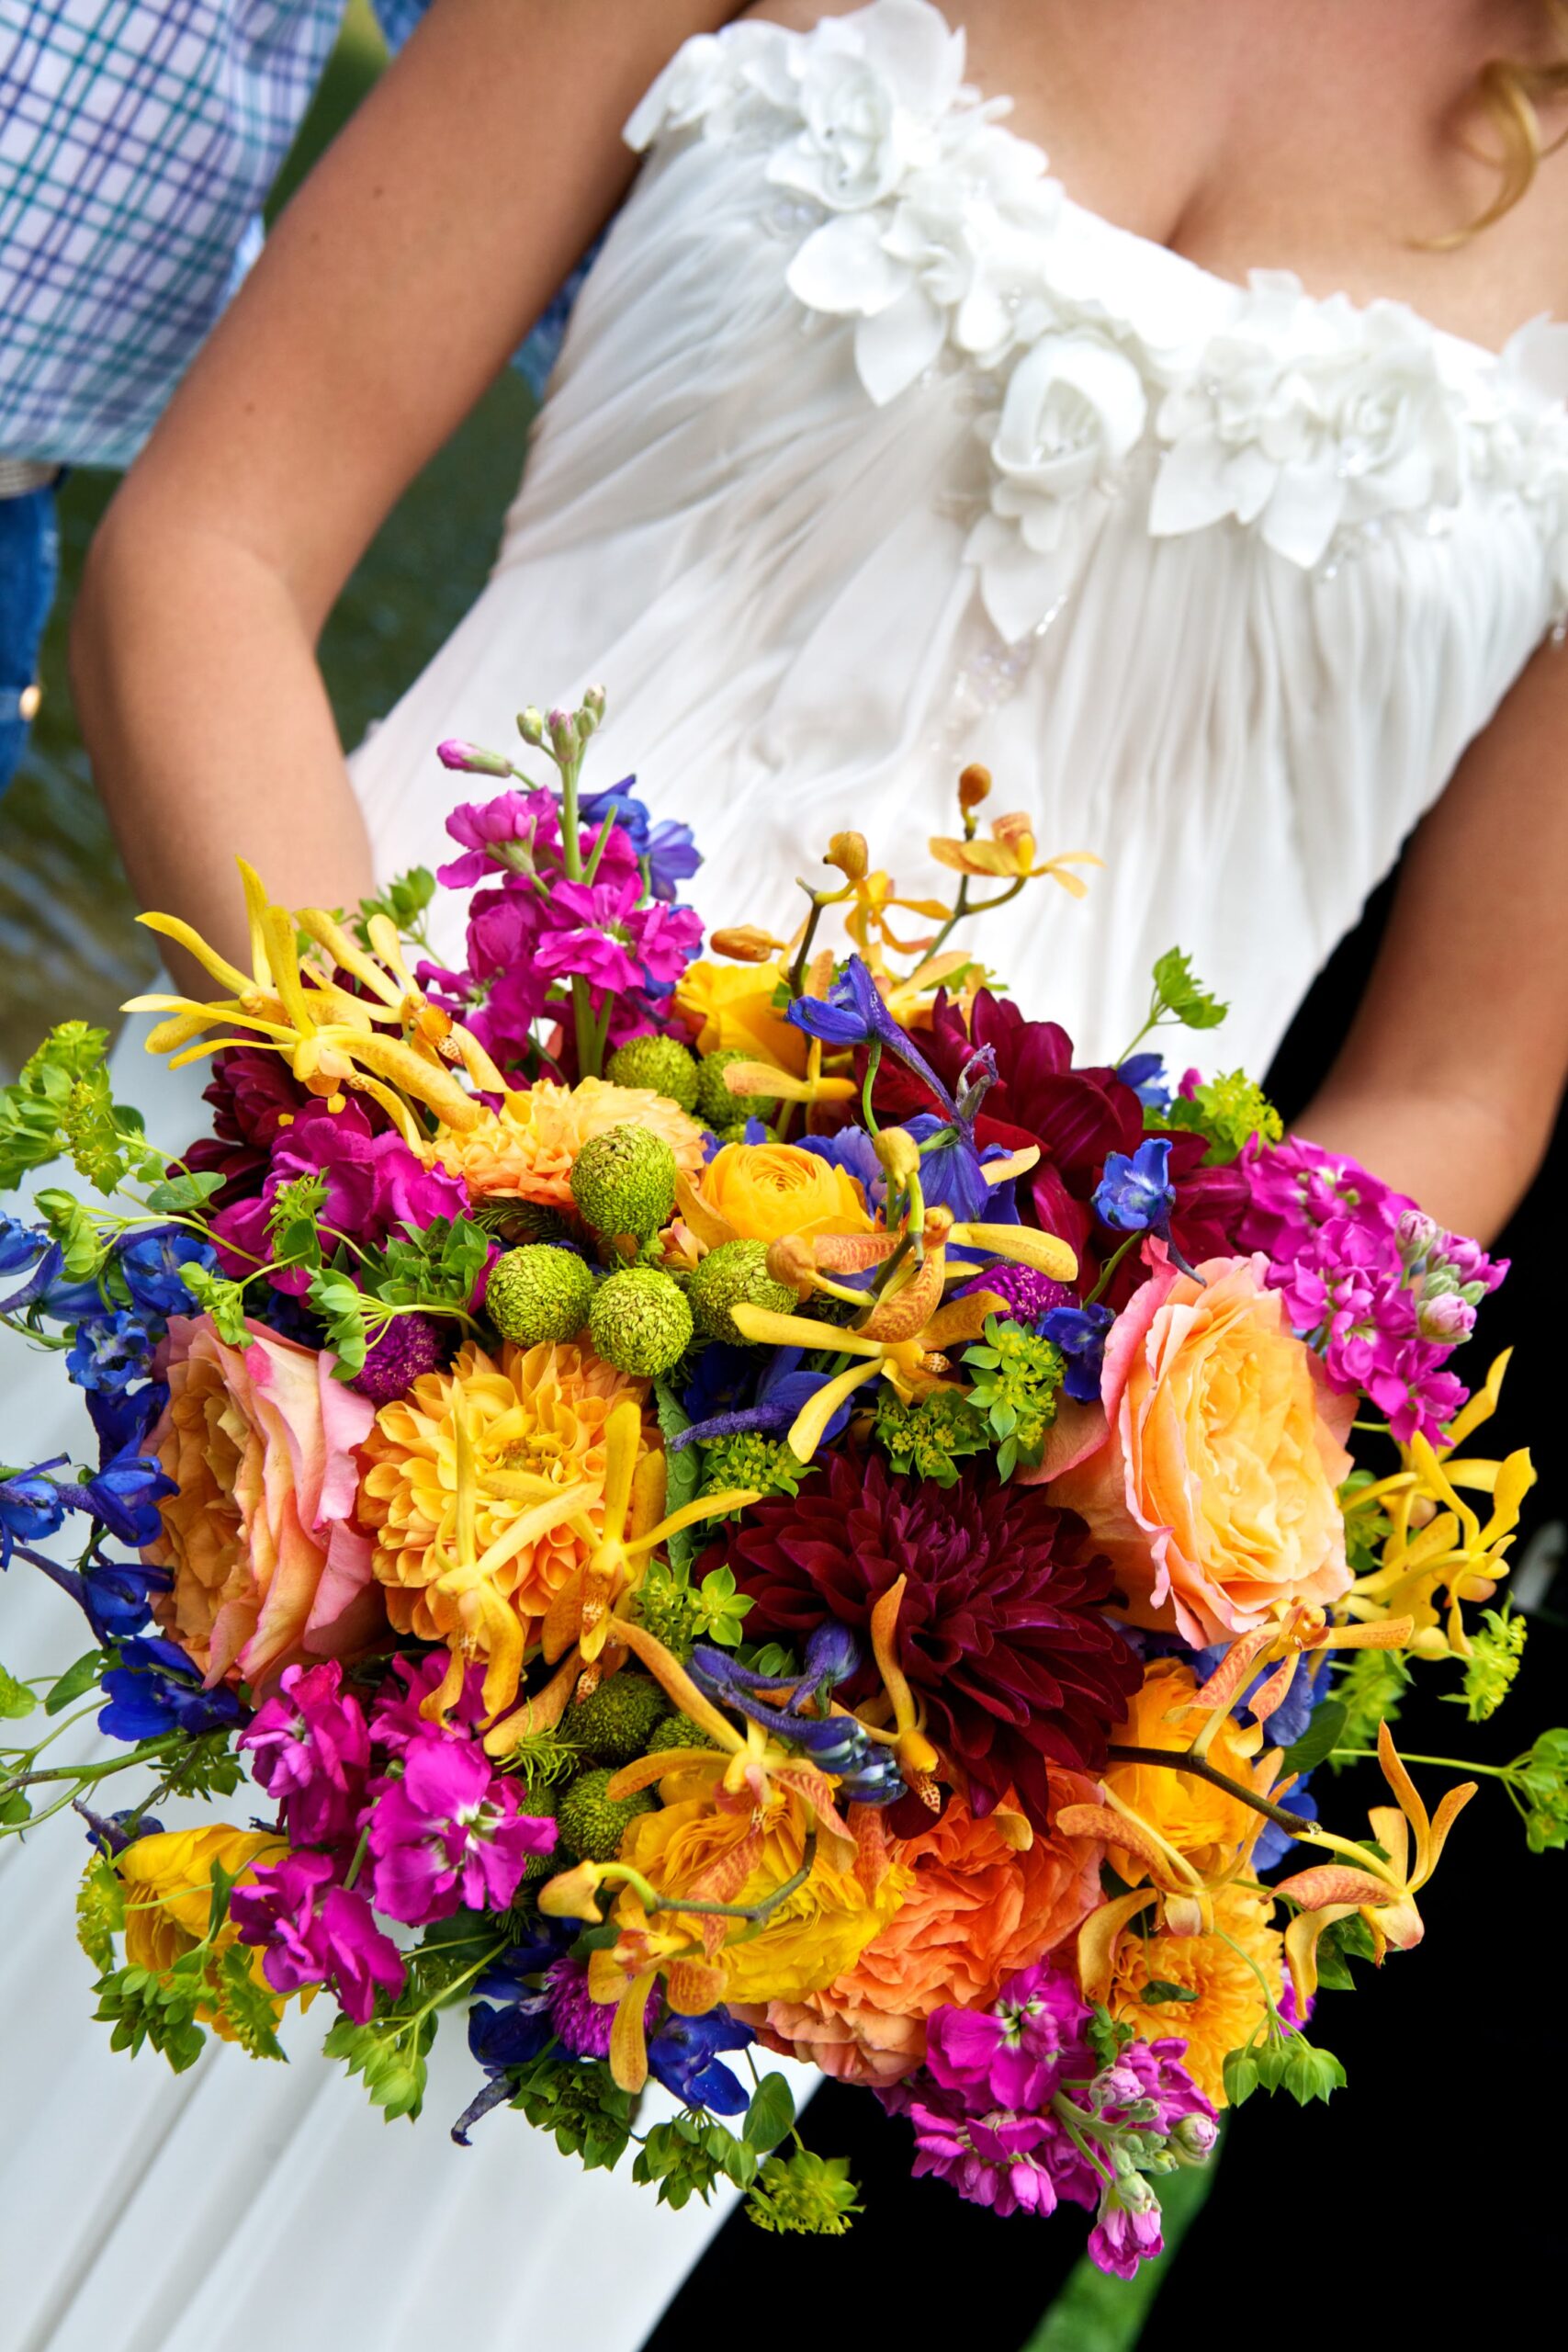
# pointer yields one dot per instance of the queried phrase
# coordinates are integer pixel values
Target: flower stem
(1110, 1267)
(1180, 1760)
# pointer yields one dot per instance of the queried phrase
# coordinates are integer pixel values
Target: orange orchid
(1383, 1892)
(1010, 856)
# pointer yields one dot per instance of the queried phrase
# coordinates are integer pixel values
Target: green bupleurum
(538, 1293)
(661, 1064)
(640, 1322)
(615, 1724)
(750, 1459)
(624, 1181)
(717, 1106)
(592, 1823)
(736, 1271)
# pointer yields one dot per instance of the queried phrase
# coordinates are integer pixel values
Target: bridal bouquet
(718, 1506)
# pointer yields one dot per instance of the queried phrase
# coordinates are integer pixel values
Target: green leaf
(74, 1680)
(185, 1195)
(1240, 2074)
(771, 2116)
(391, 2056)
(1181, 994)
(15, 1698)
(1159, 1990)
(684, 1471)
(213, 1294)
(1312, 2074)
(1319, 1739)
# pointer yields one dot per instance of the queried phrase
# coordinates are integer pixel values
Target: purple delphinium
(449, 1833)
(310, 1751)
(315, 1932)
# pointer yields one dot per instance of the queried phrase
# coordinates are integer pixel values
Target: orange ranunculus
(732, 1006)
(975, 1912)
(527, 1148)
(763, 1189)
(269, 1568)
(1203, 1823)
(1214, 1493)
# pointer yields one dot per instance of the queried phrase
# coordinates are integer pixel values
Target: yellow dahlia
(535, 1426)
(527, 1150)
(1230, 2004)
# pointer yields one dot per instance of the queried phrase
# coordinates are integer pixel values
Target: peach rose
(269, 1567)
(763, 1189)
(1214, 1493)
(974, 1914)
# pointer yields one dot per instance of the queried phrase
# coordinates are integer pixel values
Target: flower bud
(1447, 1319)
(1416, 1233)
(745, 943)
(848, 851)
(565, 741)
(832, 1654)
(531, 726)
(1195, 2138)
(571, 1893)
(591, 711)
(973, 785)
(473, 759)
(900, 1154)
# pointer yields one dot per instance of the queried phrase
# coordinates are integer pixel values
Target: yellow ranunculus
(167, 1880)
(815, 1935)
(734, 1004)
(1214, 1493)
(1203, 1823)
(763, 1189)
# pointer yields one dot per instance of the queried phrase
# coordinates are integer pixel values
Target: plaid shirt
(138, 139)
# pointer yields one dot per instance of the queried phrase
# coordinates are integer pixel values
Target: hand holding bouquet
(744, 1505)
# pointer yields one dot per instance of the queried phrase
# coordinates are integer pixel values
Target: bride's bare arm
(395, 287)
(1448, 1081)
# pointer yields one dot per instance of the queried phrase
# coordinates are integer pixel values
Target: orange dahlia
(527, 1150)
(1221, 1969)
(536, 1425)
(974, 1912)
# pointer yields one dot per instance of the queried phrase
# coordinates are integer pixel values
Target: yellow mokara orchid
(1010, 856)
(1436, 1541)
(752, 1079)
(331, 1039)
(1383, 1892)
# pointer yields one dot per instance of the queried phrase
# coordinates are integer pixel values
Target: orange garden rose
(1203, 1823)
(731, 1007)
(1213, 1495)
(763, 1189)
(539, 1411)
(974, 1912)
(525, 1150)
(1229, 2007)
(269, 1568)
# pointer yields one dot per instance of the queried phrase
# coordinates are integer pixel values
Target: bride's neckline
(1177, 266)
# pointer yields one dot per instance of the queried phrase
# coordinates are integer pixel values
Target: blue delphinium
(1135, 1194)
(155, 1688)
(1079, 1334)
(112, 1348)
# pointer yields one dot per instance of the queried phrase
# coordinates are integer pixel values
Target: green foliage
(213, 1294)
(1340, 1943)
(750, 1459)
(205, 1766)
(1158, 1991)
(1539, 1780)
(684, 1471)
(1282, 2061)
(804, 2195)
(61, 1104)
(1181, 996)
(1228, 1111)
(927, 1439)
(84, 1245)
(768, 1657)
(1320, 1738)
(720, 1609)
(1107, 2036)
(390, 2054)
(1016, 1380)
(178, 1194)
(404, 903)
(294, 1222)
(688, 2157)
(581, 2106)
(771, 2115)
(100, 1912)
(1370, 1687)
(342, 1307)
(668, 1608)
(1496, 1646)
(213, 1982)
(16, 1700)
(433, 1269)
(74, 1682)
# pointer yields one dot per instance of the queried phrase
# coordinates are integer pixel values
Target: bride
(877, 446)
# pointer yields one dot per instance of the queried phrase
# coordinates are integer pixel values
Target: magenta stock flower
(598, 933)
(449, 1833)
(316, 1932)
(396, 1722)
(310, 1751)
(531, 819)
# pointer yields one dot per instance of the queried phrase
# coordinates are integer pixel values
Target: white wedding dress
(869, 453)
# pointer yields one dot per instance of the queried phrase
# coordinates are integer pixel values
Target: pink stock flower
(530, 818)
(449, 1833)
(310, 1751)
(375, 1187)
(316, 1932)
(396, 1722)
(598, 933)
(1125, 2236)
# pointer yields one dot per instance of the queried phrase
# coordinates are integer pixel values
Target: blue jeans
(29, 562)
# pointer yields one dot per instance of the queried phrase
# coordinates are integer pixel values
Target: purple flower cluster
(1383, 1291)
(531, 927)
(417, 1804)
(1015, 2109)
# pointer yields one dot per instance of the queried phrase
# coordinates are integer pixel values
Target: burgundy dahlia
(1000, 1631)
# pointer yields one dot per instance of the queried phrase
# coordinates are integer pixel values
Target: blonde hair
(1508, 93)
